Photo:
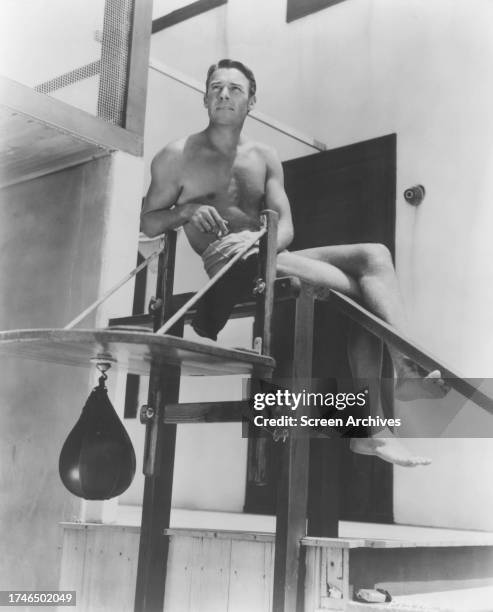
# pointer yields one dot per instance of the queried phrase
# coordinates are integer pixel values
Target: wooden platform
(352, 534)
(131, 350)
(224, 561)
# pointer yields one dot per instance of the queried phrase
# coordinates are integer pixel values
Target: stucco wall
(64, 238)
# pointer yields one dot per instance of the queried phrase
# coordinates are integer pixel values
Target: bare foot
(413, 382)
(387, 448)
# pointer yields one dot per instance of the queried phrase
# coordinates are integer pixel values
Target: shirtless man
(215, 183)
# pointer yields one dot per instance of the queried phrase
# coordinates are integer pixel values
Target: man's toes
(435, 375)
(408, 389)
(415, 461)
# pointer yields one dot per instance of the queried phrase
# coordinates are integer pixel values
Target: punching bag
(97, 460)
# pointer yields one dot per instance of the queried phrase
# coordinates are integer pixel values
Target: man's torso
(234, 185)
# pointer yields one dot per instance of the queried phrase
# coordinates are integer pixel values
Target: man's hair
(228, 63)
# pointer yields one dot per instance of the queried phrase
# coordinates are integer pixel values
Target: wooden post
(262, 331)
(159, 453)
(293, 486)
(324, 487)
(156, 507)
(262, 335)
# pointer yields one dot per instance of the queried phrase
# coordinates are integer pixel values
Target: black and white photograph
(246, 285)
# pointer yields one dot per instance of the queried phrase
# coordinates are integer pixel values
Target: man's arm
(160, 212)
(276, 199)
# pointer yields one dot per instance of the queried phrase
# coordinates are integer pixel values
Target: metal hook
(103, 364)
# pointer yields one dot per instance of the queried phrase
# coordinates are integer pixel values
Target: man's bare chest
(236, 184)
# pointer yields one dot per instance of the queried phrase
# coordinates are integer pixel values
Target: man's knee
(375, 257)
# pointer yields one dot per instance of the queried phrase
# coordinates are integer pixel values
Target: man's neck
(223, 138)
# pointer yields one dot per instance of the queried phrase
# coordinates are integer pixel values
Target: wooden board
(101, 566)
(131, 350)
(41, 134)
(31, 148)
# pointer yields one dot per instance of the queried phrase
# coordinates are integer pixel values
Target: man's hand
(205, 218)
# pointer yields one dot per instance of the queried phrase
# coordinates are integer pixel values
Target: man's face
(227, 98)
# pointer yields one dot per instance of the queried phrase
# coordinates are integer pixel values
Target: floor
(373, 534)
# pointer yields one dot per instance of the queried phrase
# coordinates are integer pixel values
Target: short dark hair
(228, 63)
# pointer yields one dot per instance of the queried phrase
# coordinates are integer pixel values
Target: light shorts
(219, 252)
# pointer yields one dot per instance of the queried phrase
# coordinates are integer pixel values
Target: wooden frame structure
(186, 12)
(160, 441)
(294, 514)
(163, 412)
(301, 8)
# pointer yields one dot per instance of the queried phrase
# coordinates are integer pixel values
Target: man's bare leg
(366, 271)
(365, 352)
(314, 267)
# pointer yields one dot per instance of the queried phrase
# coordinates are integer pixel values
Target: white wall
(64, 239)
(43, 40)
(358, 70)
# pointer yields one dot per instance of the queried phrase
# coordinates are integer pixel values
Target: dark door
(341, 196)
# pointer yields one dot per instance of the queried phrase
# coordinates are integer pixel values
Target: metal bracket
(146, 414)
(280, 434)
(155, 304)
(259, 286)
(257, 345)
(103, 361)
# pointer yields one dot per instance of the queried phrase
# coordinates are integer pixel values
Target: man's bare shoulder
(173, 153)
(268, 153)
(169, 154)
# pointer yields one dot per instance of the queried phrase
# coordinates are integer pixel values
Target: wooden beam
(67, 119)
(302, 8)
(159, 455)
(61, 161)
(421, 356)
(324, 484)
(145, 321)
(246, 536)
(138, 67)
(285, 288)
(293, 487)
(266, 276)
(182, 14)
(207, 412)
(159, 458)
